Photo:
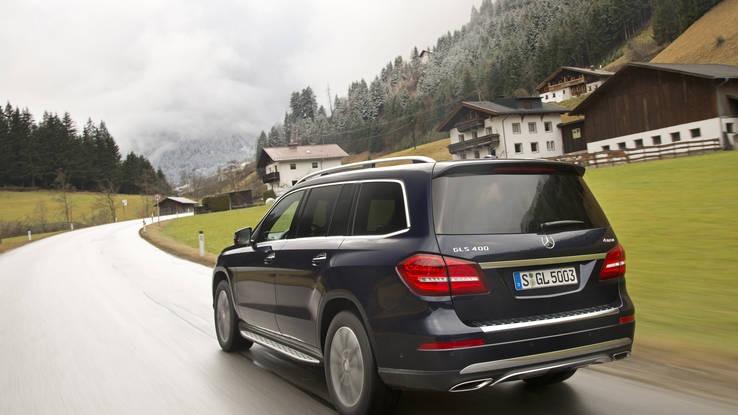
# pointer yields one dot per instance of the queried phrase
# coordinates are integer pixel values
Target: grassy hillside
(677, 221)
(711, 39)
(640, 48)
(437, 150)
(29, 206)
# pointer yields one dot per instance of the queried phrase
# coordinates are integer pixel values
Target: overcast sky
(176, 68)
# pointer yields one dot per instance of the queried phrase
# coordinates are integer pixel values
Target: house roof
(710, 71)
(321, 151)
(706, 71)
(181, 200)
(503, 106)
(586, 71)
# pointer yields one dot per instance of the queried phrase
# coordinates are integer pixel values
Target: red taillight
(614, 265)
(435, 275)
(627, 319)
(457, 344)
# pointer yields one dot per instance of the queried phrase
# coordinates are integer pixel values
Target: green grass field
(23, 206)
(678, 220)
(218, 227)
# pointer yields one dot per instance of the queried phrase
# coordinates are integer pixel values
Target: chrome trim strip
(279, 347)
(543, 358)
(531, 262)
(352, 166)
(548, 322)
(602, 358)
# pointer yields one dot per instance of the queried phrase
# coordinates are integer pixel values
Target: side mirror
(242, 237)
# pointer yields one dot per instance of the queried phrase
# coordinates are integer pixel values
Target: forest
(53, 154)
(506, 48)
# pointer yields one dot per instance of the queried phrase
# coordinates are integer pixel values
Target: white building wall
(288, 176)
(565, 93)
(710, 128)
(508, 139)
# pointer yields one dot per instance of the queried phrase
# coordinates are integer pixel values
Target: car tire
(226, 320)
(351, 371)
(550, 378)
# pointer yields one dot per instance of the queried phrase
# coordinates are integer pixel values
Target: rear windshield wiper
(560, 224)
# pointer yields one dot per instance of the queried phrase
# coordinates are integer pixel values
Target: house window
(463, 155)
(474, 135)
(677, 136)
(695, 132)
(476, 154)
(315, 164)
(516, 128)
(656, 140)
(518, 148)
(639, 143)
(545, 96)
(293, 166)
(605, 148)
(488, 131)
(548, 126)
(534, 147)
(729, 127)
(461, 138)
(550, 145)
(532, 127)
(576, 133)
(554, 95)
(622, 146)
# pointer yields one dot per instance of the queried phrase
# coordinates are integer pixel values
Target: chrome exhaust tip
(471, 385)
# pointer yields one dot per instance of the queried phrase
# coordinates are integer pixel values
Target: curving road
(98, 321)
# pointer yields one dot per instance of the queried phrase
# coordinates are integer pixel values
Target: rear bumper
(494, 363)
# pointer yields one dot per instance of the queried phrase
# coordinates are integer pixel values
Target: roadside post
(201, 242)
(124, 202)
(157, 198)
(30, 238)
(71, 226)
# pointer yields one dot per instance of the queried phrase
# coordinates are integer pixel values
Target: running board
(279, 347)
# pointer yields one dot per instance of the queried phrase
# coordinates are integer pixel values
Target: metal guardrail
(624, 156)
(365, 164)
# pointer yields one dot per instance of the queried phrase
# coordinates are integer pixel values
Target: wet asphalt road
(97, 321)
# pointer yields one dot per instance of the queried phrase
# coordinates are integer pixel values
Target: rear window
(380, 209)
(512, 203)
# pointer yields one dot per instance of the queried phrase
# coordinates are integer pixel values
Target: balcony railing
(485, 140)
(270, 177)
(469, 124)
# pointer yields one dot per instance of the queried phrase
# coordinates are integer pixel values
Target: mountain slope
(711, 39)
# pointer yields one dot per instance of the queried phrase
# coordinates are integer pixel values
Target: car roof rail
(364, 164)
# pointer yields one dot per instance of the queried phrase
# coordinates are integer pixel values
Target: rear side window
(316, 215)
(380, 209)
(512, 203)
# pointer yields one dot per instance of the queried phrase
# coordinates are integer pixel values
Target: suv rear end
(527, 281)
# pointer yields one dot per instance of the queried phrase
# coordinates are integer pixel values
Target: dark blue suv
(447, 276)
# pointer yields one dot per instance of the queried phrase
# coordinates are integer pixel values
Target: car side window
(342, 212)
(316, 215)
(380, 209)
(279, 221)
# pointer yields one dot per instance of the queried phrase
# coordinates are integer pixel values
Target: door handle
(319, 259)
(270, 258)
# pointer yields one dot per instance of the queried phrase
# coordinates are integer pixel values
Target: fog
(170, 69)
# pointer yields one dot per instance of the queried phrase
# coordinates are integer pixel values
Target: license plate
(544, 278)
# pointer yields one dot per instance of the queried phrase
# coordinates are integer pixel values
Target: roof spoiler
(506, 167)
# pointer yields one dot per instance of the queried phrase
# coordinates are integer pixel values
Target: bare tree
(63, 196)
(106, 199)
